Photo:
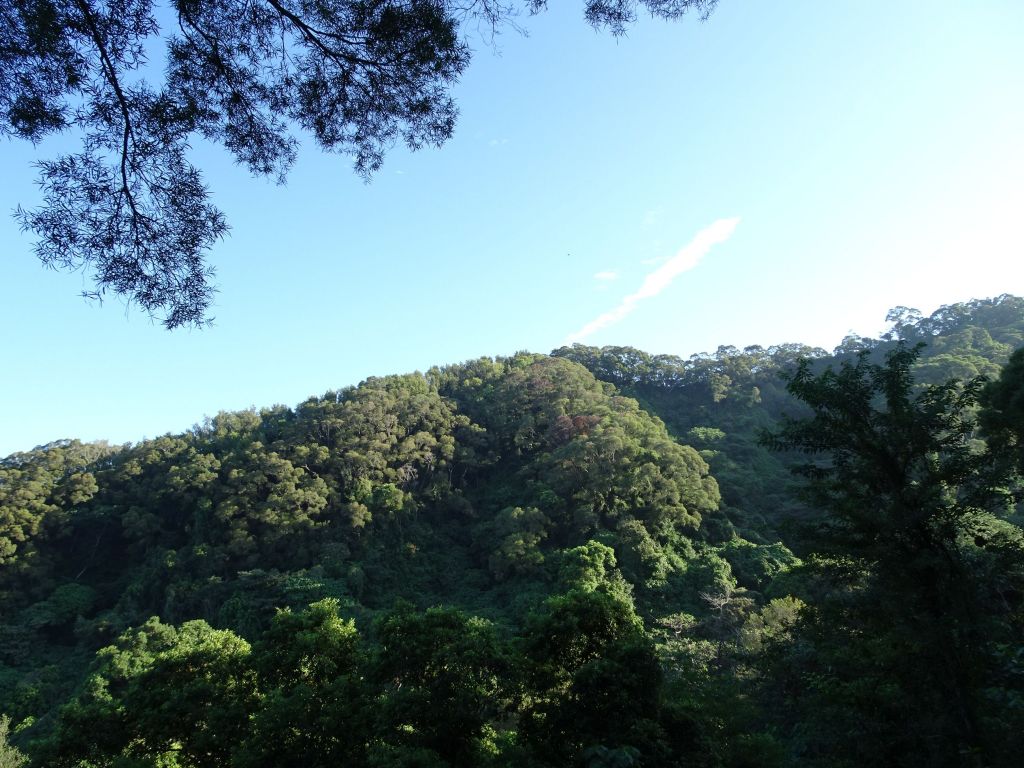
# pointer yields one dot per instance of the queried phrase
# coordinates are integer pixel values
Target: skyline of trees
(496, 562)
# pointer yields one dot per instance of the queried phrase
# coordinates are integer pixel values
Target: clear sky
(785, 172)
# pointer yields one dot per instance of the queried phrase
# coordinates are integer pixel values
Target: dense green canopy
(512, 562)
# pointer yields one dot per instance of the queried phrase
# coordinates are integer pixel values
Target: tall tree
(1003, 414)
(158, 692)
(907, 640)
(10, 757)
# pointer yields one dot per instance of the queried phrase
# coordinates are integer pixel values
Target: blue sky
(787, 171)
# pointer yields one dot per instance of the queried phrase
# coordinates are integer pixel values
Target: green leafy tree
(447, 680)
(906, 638)
(314, 710)
(10, 756)
(595, 686)
(159, 693)
(587, 457)
(1003, 414)
(40, 491)
(265, 505)
(515, 535)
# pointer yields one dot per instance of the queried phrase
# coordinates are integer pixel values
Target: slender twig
(110, 73)
(312, 36)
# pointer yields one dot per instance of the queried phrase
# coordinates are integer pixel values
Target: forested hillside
(720, 403)
(598, 557)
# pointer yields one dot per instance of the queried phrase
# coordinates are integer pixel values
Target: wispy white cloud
(606, 276)
(688, 257)
(497, 142)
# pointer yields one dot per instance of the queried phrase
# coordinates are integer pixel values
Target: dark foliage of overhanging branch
(129, 208)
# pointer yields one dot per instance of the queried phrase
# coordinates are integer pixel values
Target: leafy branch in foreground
(129, 208)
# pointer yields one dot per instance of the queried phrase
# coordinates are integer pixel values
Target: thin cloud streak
(606, 275)
(657, 281)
